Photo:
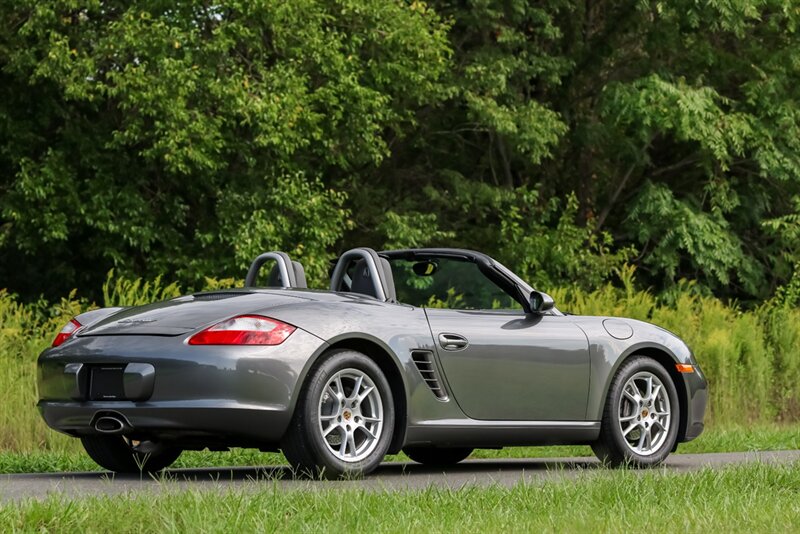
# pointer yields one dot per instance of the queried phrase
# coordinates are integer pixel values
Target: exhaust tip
(108, 424)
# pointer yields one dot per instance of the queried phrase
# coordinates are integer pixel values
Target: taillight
(244, 330)
(70, 328)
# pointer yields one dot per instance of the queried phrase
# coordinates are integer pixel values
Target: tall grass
(751, 358)
(121, 291)
(28, 329)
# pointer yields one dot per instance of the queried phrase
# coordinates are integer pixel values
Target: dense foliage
(566, 138)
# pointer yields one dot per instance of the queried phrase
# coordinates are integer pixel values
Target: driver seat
(361, 281)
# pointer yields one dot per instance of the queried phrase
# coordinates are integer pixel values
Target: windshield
(447, 283)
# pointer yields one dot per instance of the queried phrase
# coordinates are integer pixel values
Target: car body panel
(516, 366)
(184, 314)
(608, 353)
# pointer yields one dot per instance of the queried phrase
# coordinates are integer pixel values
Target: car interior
(420, 280)
(424, 280)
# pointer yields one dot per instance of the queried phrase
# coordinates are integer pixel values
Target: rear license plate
(106, 383)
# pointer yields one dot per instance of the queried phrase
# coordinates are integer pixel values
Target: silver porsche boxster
(434, 352)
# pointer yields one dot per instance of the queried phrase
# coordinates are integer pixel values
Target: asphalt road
(390, 476)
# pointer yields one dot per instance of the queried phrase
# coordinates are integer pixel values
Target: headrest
(372, 274)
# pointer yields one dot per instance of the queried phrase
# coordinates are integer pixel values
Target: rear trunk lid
(185, 314)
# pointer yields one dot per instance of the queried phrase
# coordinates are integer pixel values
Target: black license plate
(106, 383)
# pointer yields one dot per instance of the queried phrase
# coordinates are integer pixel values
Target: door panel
(512, 366)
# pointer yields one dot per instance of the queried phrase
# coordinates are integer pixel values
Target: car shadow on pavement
(285, 473)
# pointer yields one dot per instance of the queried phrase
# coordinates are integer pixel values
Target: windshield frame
(494, 271)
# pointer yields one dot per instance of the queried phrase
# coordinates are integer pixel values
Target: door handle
(453, 342)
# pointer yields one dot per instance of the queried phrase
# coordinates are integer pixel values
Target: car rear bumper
(222, 394)
(223, 421)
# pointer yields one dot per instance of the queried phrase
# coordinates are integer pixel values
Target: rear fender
(342, 341)
(387, 359)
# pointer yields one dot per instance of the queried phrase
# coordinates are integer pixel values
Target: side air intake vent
(427, 368)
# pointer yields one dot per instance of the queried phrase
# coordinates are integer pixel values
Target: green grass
(732, 439)
(751, 498)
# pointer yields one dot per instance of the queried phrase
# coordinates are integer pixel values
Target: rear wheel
(115, 453)
(343, 420)
(437, 457)
(640, 420)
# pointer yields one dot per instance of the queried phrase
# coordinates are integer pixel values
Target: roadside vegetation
(751, 498)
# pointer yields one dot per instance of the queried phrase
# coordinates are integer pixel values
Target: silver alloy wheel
(351, 415)
(644, 413)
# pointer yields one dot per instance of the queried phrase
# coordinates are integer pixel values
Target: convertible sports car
(431, 351)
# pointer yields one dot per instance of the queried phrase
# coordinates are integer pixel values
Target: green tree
(564, 137)
(675, 123)
(185, 137)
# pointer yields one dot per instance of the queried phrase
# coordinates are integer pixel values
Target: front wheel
(115, 453)
(343, 420)
(641, 416)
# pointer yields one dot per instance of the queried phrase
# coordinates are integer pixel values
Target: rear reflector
(70, 328)
(244, 330)
(684, 368)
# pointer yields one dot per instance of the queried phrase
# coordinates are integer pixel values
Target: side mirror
(541, 302)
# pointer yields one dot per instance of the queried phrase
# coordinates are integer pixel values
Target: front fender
(607, 353)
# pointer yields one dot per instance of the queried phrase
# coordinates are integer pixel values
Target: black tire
(437, 457)
(114, 453)
(612, 448)
(303, 444)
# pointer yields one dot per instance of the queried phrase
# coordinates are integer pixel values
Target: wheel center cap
(645, 413)
(347, 415)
